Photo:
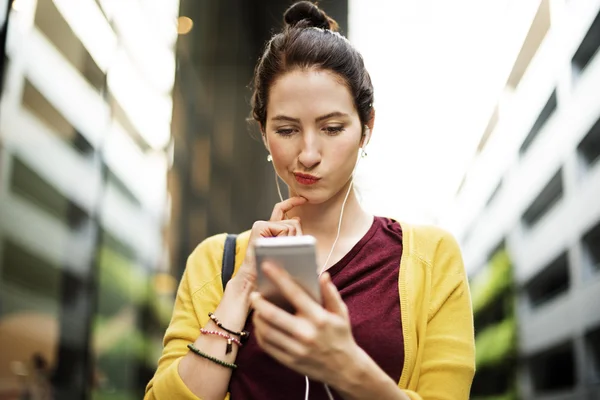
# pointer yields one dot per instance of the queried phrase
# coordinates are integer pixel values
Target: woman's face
(313, 133)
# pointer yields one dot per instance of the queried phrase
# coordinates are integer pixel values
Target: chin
(312, 197)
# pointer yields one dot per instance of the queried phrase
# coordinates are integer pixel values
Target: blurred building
(528, 216)
(85, 289)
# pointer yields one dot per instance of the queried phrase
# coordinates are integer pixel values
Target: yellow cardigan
(437, 318)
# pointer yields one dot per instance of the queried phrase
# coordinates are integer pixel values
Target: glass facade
(86, 289)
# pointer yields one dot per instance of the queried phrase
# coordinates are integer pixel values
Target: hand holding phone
(295, 254)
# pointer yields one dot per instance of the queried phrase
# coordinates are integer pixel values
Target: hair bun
(305, 14)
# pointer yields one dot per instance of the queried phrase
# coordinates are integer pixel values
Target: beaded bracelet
(211, 358)
(230, 339)
(243, 334)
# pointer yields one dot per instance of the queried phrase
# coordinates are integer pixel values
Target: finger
(279, 354)
(283, 229)
(296, 222)
(332, 300)
(286, 227)
(281, 208)
(292, 228)
(297, 228)
(271, 336)
(276, 317)
(295, 294)
(270, 229)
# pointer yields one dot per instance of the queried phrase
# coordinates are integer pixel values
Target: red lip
(305, 179)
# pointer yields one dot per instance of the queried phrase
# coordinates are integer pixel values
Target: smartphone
(297, 255)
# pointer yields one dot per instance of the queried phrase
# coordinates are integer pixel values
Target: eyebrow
(318, 119)
(331, 115)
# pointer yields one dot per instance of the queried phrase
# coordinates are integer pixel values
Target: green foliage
(118, 272)
(100, 394)
(123, 281)
(162, 308)
(507, 396)
(496, 343)
(491, 283)
(131, 344)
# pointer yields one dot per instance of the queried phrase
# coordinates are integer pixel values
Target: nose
(310, 154)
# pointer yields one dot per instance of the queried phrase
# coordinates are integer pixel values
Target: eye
(333, 130)
(285, 131)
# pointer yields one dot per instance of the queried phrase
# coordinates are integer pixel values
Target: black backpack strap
(228, 259)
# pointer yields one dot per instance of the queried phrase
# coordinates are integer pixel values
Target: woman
(396, 320)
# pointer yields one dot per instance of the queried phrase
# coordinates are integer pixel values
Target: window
(592, 342)
(591, 248)
(497, 311)
(588, 47)
(38, 105)
(30, 185)
(52, 24)
(552, 281)
(490, 382)
(554, 369)
(28, 275)
(589, 148)
(548, 197)
(539, 123)
(121, 187)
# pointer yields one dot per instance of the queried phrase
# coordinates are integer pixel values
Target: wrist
(361, 372)
(234, 307)
(240, 287)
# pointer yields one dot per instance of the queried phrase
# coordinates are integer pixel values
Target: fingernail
(254, 296)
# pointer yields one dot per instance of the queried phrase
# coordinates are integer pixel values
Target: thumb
(332, 301)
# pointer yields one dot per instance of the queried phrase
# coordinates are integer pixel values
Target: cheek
(345, 152)
(282, 153)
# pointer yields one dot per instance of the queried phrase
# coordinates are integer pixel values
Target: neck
(322, 220)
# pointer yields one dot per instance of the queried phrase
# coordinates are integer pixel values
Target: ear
(263, 136)
(368, 131)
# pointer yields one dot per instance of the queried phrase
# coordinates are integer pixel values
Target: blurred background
(124, 143)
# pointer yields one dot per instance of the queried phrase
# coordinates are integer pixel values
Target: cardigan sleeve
(199, 292)
(448, 363)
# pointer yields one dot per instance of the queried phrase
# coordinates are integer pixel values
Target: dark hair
(302, 46)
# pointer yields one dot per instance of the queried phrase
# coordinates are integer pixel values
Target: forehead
(309, 93)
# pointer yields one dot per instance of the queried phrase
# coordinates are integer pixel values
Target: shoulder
(433, 245)
(213, 246)
(204, 264)
(442, 273)
(208, 246)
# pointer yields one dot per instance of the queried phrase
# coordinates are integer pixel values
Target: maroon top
(367, 279)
